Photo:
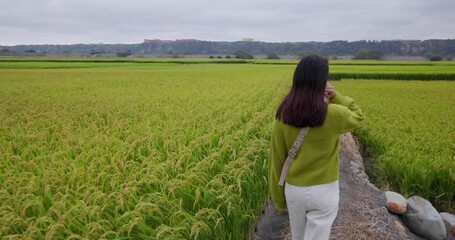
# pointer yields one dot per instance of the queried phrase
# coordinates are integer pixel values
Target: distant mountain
(191, 46)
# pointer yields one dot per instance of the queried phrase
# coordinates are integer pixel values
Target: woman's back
(311, 190)
(317, 160)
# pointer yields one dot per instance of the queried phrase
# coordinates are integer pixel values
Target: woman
(311, 192)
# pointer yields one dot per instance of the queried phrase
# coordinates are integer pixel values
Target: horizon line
(200, 40)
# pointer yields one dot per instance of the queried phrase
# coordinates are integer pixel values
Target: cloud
(115, 21)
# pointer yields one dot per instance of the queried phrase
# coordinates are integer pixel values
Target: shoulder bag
(291, 154)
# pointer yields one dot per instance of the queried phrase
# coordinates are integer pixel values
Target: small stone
(396, 203)
(355, 170)
(354, 164)
(362, 175)
(449, 219)
(423, 219)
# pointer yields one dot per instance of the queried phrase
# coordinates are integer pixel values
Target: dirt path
(362, 213)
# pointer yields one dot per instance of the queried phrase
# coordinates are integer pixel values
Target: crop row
(232, 60)
(126, 60)
(392, 76)
(338, 69)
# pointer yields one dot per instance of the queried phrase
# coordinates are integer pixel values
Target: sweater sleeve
(277, 157)
(351, 115)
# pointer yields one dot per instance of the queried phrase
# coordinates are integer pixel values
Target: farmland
(410, 130)
(160, 149)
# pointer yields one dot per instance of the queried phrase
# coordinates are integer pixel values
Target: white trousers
(312, 210)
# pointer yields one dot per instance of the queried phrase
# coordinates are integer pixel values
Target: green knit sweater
(317, 160)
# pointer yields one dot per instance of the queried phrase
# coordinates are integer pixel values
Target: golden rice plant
(134, 153)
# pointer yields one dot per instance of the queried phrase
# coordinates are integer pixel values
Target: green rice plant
(393, 76)
(58, 60)
(393, 72)
(409, 128)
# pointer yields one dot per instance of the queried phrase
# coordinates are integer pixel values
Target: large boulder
(423, 219)
(396, 203)
(449, 220)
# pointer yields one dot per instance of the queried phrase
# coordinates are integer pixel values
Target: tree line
(396, 47)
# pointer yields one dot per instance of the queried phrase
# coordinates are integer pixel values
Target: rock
(423, 219)
(362, 175)
(354, 165)
(355, 170)
(449, 219)
(396, 203)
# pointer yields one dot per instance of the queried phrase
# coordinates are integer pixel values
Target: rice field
(133, 153)
(165, 150)
(410, 129)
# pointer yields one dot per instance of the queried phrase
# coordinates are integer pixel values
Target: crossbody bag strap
(291, 154)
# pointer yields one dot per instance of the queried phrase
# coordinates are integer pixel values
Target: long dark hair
(304, 105)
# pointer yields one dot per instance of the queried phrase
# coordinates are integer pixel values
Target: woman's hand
(329, 91)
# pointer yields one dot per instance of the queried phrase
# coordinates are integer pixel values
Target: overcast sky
(131, 21)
